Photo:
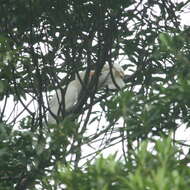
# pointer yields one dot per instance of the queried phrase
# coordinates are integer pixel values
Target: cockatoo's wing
(72, 94)
(71, 97)
(54, 105)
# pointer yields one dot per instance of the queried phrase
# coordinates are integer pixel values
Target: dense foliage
(43, 44)
(159, 169)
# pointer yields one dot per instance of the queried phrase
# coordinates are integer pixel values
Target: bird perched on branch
(111, 77)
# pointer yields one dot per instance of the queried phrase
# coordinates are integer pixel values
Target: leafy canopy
(44, 44)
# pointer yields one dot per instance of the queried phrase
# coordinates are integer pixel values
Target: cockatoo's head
(112, 77)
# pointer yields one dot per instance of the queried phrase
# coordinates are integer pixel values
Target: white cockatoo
(110, 77)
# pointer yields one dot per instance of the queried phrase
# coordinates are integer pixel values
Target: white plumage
(74, 88)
